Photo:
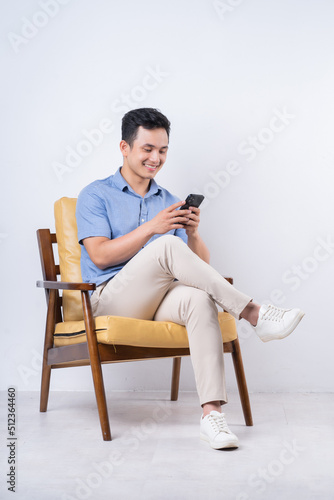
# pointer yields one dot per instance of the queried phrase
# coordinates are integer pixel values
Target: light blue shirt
(111, 208)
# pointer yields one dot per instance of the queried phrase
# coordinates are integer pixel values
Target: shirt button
(143, 220)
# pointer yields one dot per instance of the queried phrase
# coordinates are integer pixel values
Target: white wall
(224, 73)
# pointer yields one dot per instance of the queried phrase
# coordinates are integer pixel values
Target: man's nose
(154, 156)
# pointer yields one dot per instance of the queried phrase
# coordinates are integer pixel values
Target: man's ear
(124, 147)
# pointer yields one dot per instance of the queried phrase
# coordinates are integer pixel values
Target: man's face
(148, 152)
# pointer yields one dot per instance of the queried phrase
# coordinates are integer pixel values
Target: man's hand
(191, 226)
(169, 219)
(195, 242)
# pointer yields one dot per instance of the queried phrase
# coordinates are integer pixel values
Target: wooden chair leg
(48, 343)
(45, 387)
(241, 380)
(175, 379)
(96, 367)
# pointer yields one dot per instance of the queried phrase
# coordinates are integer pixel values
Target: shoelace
(273, 313)
(218, 423)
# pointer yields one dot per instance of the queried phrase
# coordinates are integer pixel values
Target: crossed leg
(146, 289)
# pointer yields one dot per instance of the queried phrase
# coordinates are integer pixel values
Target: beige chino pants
(146, 289)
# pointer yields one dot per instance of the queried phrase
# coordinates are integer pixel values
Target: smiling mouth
(151, 168)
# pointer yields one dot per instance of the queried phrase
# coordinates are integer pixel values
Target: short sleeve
(91, 215)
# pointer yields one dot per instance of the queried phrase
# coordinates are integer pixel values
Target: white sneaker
(275, 323)
(214, 430)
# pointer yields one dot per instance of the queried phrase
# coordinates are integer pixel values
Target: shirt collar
(119, 181)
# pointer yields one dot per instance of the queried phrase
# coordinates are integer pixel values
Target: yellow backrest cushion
(69, 255)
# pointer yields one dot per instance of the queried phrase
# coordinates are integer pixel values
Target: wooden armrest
(64, 285)
(230, 280)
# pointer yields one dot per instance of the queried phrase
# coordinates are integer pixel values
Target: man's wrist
(148, 229)
(194, 236)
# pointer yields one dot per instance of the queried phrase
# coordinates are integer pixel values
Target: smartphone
(193, 200)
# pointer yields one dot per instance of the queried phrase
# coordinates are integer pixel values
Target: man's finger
(196, 210)
(192, 223)
(182, 213)
(176, 205)
(181, 219)
(193, 216)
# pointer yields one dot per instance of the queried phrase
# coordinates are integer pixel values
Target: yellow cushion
(69, 255)
(136, 332)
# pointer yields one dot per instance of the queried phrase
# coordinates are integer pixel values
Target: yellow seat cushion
(136, 332)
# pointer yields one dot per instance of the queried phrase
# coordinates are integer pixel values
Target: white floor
(156, 452)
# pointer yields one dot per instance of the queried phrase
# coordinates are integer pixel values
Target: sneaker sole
(216, 446)
(287, 332)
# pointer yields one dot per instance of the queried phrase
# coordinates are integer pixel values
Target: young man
(149, 262)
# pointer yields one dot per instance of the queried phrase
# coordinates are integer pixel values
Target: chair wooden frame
(94, 354)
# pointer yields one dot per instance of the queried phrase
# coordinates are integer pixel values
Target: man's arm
(197, 245)
(105, 252)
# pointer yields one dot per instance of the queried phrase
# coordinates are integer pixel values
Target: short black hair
(149, 118)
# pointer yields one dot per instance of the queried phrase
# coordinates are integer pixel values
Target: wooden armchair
(73, 337)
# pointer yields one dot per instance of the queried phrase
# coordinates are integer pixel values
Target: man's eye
(148, 150)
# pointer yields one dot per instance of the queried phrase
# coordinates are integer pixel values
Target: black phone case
(192, 200)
